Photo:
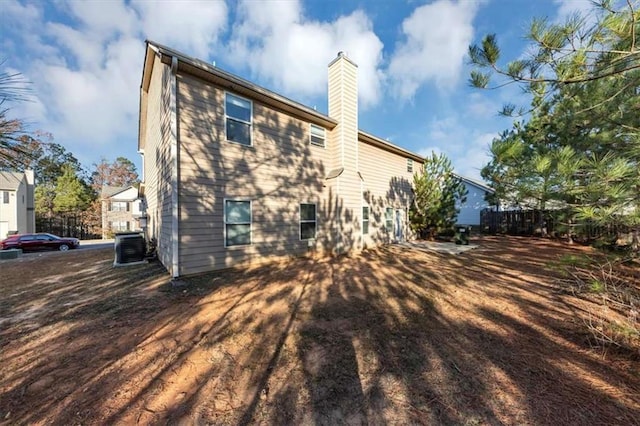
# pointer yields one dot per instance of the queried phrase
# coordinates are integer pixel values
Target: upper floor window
(119, 206)
(409, 165)
(317, 135)
(238, 114)
(5, 197)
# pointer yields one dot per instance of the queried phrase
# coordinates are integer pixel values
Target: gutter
(173, 142)
(388, 146)
(241, 86)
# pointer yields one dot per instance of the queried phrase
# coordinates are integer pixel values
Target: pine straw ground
(391, 336)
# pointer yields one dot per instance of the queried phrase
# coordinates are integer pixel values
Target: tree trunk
(569, 232)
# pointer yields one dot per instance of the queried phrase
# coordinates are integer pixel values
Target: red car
(32, 242)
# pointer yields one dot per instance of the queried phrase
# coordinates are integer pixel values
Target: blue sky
(84, 59)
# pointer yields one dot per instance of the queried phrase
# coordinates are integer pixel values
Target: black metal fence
(544, 222)
(66, 226)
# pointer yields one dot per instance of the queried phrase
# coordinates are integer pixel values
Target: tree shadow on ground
(389, 336)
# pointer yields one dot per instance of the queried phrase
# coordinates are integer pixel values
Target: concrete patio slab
(440, 246)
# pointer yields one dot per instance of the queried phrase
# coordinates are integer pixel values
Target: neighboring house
(17, 208)
(475, 203)
(121, 210)
(236, 174)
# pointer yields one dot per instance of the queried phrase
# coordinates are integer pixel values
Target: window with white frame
(388, 219)
(119, 226)
(409, 165)
(237, 223)
(119, 206)
(238, 119)
(365, 220)
(5, 197)
(308, 221)
(317, 135)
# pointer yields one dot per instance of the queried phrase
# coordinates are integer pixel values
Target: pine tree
(72, 194)
(436, 191)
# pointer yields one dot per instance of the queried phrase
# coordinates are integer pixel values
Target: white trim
(250, 123)
(300, 222)
(324, 138)
(175, 208)
(341, 123)
(410, 165)
(356, 112)
(224, 221)
(142, 170)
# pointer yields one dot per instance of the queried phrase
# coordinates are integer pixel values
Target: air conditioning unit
(130, 249)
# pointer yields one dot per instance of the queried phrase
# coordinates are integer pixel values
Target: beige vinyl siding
(343, 106)
(388, 186)
(157, 162)
(280, 171)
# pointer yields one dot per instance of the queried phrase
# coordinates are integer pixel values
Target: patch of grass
(597, 286)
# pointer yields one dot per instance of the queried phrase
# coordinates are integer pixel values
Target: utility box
(462, 234)
(10, 254)
(129, 248)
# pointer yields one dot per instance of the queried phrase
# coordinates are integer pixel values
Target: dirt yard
(392, 336)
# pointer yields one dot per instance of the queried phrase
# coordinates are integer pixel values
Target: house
(235, 174)
(17, 207)
(475, 202)
(121, 210)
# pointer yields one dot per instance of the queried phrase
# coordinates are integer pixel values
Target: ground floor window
(388, 219)
(308, 221)
(365, 220)
(237, 222)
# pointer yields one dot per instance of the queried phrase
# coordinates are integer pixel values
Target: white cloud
(481, 106)
(102, 20)
(86, 65)
(568, 8)
(192, 26)
(427, 151)
(280, 45)
(466, 146)
(437, 37)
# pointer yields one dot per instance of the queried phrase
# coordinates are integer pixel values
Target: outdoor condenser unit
(130, 249)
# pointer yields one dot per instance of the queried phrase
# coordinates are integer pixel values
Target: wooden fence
(543, 222)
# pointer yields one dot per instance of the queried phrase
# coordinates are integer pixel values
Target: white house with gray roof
(121, 210)
(17, 206)
(475, 203)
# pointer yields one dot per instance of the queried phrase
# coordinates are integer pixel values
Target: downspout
(175, 210)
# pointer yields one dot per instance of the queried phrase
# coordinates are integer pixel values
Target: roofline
(381, 143)
(475, 183)
(201, 69)
(196, 67)
(16, 177)
(121, 191)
